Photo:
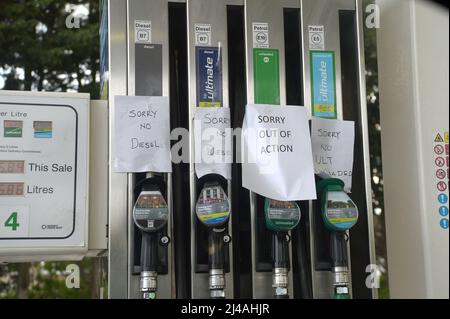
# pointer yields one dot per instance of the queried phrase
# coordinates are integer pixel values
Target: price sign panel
(43, 171)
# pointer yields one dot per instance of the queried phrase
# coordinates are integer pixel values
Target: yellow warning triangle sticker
(438, 138)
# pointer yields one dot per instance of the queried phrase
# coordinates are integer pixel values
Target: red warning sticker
(441, 169)
(440, 173)
(439, 161)
(439, 149)
(441, 186)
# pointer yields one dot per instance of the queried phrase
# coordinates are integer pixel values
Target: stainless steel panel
(117, 188)
(365, 130)
(157, 11)
(272, 13)
(98, 178)
(215, 14)
(326, 13)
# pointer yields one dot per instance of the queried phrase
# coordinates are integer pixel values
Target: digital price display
(12, 167)
(12, 189)
(44, 159)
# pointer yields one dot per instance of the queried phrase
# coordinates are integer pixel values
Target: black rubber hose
(338, 249)
(149, 251)
(280, 250)
(216, 253)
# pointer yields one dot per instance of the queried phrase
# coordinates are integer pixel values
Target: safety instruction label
(266, 76)
(323, 84)
(441, 165)
(316, 37)
(202, 33)
(142, 31)
(209, 76)
(260, 34)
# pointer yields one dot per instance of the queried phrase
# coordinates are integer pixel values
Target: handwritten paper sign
(332, 144)
(213, 148)
(276, 152)
(141, 134)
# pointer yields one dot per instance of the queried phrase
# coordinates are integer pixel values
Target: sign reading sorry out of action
(277, 157)
(142, 134)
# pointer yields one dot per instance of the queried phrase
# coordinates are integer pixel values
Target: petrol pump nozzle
(280, 217)
(339, 214)
(213, 211)
(150, 214)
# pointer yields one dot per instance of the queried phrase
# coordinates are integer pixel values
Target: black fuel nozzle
(216, 264)
(213, 211)
(280, 266)
(150, 215)
(149, 265)
(339, 265)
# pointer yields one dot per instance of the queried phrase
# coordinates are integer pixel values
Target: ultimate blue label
(209, 76)
(323, 84)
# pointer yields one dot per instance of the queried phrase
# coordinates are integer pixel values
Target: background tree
(35, 41)
(39, 52)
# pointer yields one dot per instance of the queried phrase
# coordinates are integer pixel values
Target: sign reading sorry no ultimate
(277, 157)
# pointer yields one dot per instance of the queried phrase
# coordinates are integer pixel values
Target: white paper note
(276, 152)
(141, 134)
(213, 148)
(332, 143)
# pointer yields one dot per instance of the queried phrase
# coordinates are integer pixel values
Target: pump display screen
(12, 167)
(341, 212)
(11, 189)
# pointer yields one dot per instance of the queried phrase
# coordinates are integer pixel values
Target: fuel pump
(150, 214)
(280, 218)
(339, 214)
(213, 211)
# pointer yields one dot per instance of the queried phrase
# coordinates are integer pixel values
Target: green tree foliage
(39, 52)
(34, 37)
(48, 279)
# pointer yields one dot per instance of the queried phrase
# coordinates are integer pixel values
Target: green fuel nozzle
(339, 214)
